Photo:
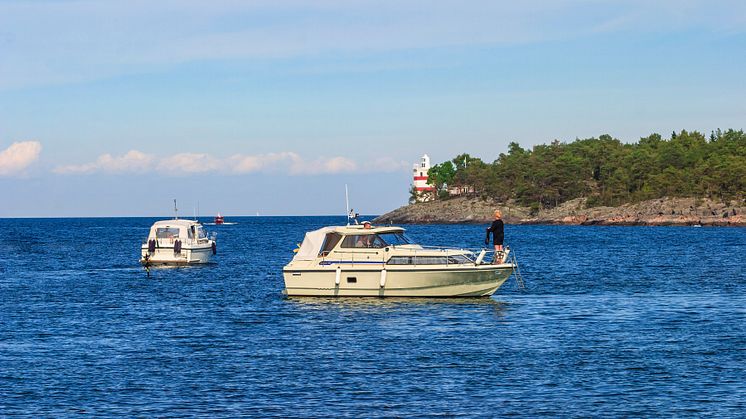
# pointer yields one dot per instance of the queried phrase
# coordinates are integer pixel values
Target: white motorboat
(367, 261)
(177, 242)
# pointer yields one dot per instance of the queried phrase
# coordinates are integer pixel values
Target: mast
(347, 203)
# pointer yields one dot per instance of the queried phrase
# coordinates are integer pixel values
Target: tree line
(604, 170)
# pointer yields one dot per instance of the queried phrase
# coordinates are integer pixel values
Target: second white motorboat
(177, 242)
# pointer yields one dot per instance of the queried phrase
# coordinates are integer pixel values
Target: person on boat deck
(498, 232)
(353, 216)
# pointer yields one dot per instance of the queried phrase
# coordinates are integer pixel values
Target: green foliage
(413, 194)
(605, 170)
(440, 176)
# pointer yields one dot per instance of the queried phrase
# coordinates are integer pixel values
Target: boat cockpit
(388, 245)
(167, 232)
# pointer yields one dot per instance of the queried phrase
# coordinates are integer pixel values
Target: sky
(115, 108)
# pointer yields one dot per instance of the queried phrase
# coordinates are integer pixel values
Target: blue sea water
(615, 321)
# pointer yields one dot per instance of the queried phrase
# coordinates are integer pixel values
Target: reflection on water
(385, 302)
(401, 305)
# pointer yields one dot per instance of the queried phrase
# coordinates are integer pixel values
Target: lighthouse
(419, 171)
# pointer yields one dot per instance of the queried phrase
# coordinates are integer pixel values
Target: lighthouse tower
(419, 170)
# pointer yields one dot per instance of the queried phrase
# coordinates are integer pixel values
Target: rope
(517, 273)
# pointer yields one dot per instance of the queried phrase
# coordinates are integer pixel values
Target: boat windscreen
(395, 239)
(330, 241)
(167, 233)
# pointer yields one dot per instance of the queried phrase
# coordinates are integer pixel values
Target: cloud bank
(183, 164)
(18, 157)
(132, 161)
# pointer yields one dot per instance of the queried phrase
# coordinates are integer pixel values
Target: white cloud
(284, 163)
(132, 162)
(186, 163)
(289, 163)
(271, 162)
(19, 156)
(319, 166)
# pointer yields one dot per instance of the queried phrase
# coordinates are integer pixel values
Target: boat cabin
(186, 231)
(358, 238)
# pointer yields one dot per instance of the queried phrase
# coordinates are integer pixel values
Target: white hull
(166, 256)
(453, 281)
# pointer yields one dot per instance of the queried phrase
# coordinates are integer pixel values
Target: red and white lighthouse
(419, 170)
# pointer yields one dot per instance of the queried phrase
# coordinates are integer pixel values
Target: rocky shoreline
(656, 212)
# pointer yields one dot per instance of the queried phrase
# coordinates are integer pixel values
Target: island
(687, 179)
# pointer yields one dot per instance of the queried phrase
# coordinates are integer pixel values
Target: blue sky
(114, 108)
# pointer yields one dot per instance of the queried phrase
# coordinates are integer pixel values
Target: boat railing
(170, 241)
(349, 256)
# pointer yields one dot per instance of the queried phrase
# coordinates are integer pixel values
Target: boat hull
(475, 281)
(166, 256)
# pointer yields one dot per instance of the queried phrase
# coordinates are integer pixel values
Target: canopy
(312, 243)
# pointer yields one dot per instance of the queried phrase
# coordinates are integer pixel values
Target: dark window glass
(395, 239)
(459, 260)
(363, 241)
(167, 233)
(400, 260)
(330, 242)
(430, 260)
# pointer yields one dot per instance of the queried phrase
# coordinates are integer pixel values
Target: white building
(425, 192)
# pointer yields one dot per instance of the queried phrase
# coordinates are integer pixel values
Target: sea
(612, 322)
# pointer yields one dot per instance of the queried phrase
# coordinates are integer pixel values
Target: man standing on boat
(498, 235)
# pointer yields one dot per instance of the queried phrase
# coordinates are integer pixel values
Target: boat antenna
(347, 203)
(176, 211)
(196, 216)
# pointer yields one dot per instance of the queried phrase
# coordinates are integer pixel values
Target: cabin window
(430, 260)
(167, 232)
(400, 260)
(201, 233)
(330, 242)
(363, 241)
(459, 259)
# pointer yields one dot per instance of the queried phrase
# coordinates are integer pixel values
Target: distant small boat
(219, 219)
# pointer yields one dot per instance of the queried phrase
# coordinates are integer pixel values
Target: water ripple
(616, 321)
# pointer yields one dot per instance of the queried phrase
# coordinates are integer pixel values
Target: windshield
(167, 233)
(395, 239)
(375, 240)
(367, 240)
